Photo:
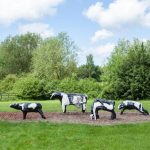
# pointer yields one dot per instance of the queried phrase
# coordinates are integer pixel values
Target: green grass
(43, 135)
(48, 106)
(55, 106)
(49, 136)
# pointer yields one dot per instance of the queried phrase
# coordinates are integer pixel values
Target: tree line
(33, 67)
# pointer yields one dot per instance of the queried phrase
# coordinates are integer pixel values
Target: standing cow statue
(28, 107)
(127, 104)
(100, 104)
(70, 99)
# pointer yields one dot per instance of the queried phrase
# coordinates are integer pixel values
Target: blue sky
(94, 25)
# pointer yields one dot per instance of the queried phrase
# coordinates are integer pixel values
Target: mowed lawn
(55, 105)
(49, 136)
(44, 135)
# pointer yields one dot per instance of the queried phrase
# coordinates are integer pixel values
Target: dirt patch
(78, 117)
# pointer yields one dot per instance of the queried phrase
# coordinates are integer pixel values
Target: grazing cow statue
(70, 99)
(100, 104)
(28, 107)
(127, 104)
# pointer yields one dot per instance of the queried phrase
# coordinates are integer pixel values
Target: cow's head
(15, 106)
(56, 95)
(85, 99)
(122, 105)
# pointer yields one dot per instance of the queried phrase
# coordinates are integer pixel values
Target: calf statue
(127, 104)
(100, 104)
(70, 99)
(28, 107)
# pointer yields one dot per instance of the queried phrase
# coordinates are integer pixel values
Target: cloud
(12, 10)
(146, 20)
(40, 28)
(143, 39)
(100, 53)
(101, 35)
(104, 50)
(120, 12)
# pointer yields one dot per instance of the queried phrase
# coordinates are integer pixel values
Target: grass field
(55, 106)
(44, 135)
(48, 136)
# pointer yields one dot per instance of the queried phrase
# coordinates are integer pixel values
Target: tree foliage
(33, 67)
(16, 53)
(32, 87)
(127, 74)
(7, 83)
(55, 58)
(89, 70)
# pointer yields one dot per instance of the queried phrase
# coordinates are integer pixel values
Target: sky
(94, 25)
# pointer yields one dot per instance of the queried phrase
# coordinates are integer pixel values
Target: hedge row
(32, 87)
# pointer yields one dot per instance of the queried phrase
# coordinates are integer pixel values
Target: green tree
(16, 53)
(55, 58)
(127, 74)
(89, 70)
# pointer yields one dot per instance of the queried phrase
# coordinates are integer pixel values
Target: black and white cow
(28, 107)
(100, 104)
(127, 104)
(70, 99)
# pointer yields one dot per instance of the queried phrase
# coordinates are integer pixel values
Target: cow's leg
(41, 113)
(113, 115)
(83, 107)
(143, 111)
(83, 111)
(140, 109)
(97, 116)
(24, 115)
(64, 108)
(94, 113)
(121, 113)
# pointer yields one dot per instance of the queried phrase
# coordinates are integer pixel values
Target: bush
(7, 83)
(34, 88)
(69, 85)
(51, 86)
(107, 92)
(87, 86)
(30, 87)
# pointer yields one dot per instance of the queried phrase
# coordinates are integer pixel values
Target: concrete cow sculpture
(28, 107)
(127, 104)
(70, 99)
(100, 104)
